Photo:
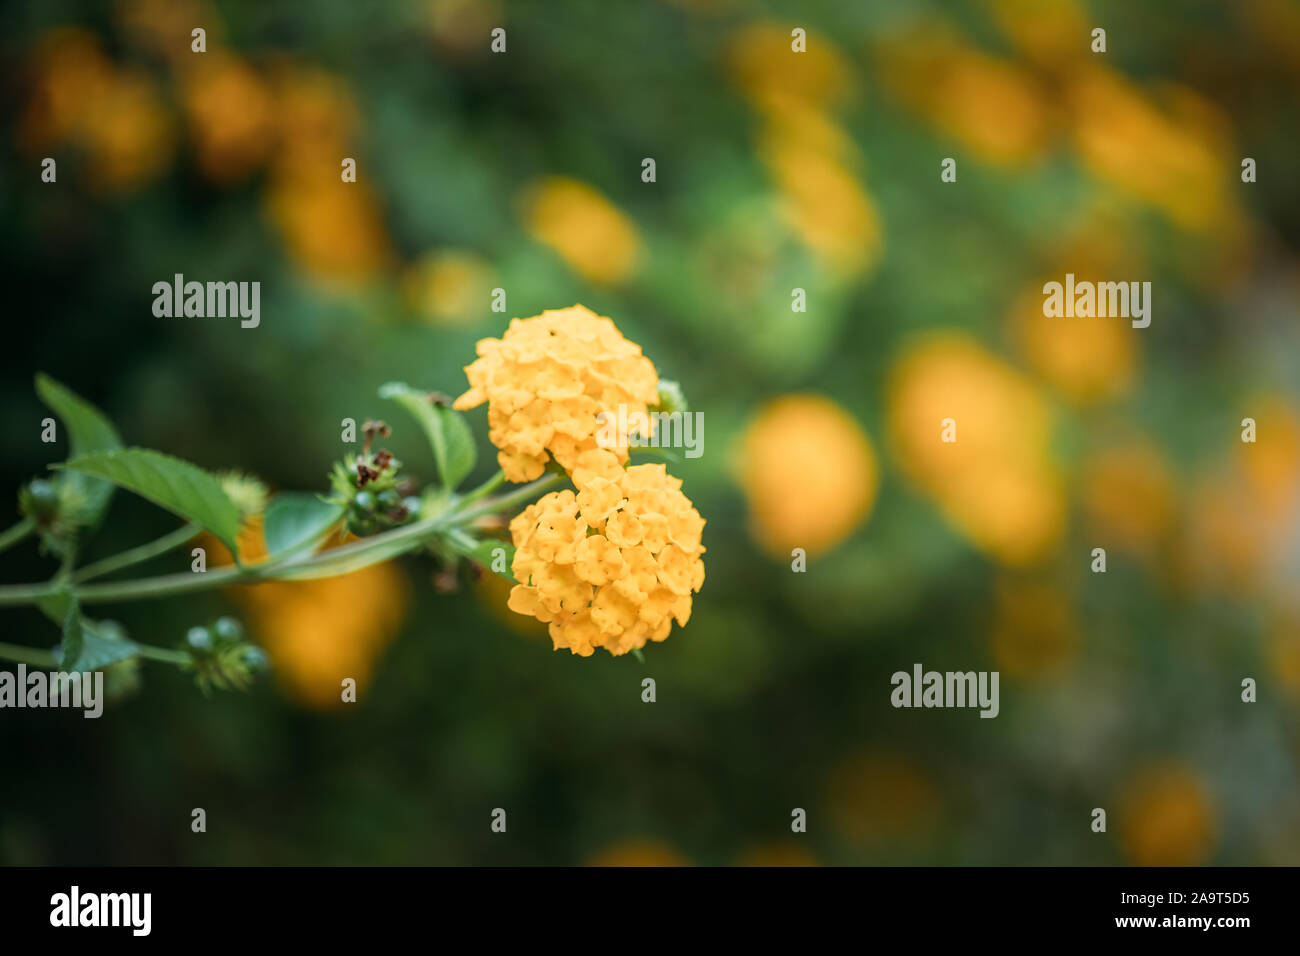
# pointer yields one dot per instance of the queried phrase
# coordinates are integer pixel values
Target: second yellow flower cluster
(612, 563)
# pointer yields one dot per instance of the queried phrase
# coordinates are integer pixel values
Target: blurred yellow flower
(1166, 818)
(464, 27)
(1035, 629)
(1243, 516)
(809, 156)
(69, 74)
(777, 853)
(315, 113)
(1178, 163)
(822, 201)
(638, 852)
(320, 631)
(1271, 464)
(992, 107)
(333, 229)
(1283, 649)
(1228, 537)
(115, 115)
(996, 483)
(612, 566)
(231, 112)
(1130, 498)
(1274, 24)
(449, 287)
(548, 379)
(163, 27)
(809, 473)
(1086, 360)
(1055, 34)
(128, 132)
(880, 797)
(583, 227)
(763, 64)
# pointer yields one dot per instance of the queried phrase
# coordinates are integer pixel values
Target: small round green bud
(199, 638)
(228, 629)
(671, 397)
(254, 658)
(412, 505)
(364, 501)
(44, 498)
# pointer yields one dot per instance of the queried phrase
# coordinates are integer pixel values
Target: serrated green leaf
(294, 519)
(70, 649)
(448, 433)
(180, 487)
(88, 431)
(99, 652)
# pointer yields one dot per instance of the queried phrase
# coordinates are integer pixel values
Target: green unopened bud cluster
(373, 494)
(59, 509)
(221, 658)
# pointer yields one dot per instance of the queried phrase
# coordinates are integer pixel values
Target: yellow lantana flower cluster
(614, 563)
(546, 381)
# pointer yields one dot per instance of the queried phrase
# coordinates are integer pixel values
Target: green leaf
(484, 553)
(294, 519)
(73, 643)
(643, 452)
(99, 651)
(176, 485)
(55, 606)
(448, 432)
(88, 431)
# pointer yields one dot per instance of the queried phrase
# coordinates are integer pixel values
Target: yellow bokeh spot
(809, 472)
(638, 852)
(996, 483)
(767, 70)
(1175, 161)
(994, 108)
(583, 227)
(1035, 631)
(231, 113)
(1087, 360)
(881, 797)
(776, 853)
(1166, 818)
(449, 287)
(1129, 497)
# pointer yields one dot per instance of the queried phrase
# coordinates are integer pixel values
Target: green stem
(162, 654)
(489, 486)
(136, 555)
(27, 655)
(350, 557)
(524, 494)
(15, 534)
